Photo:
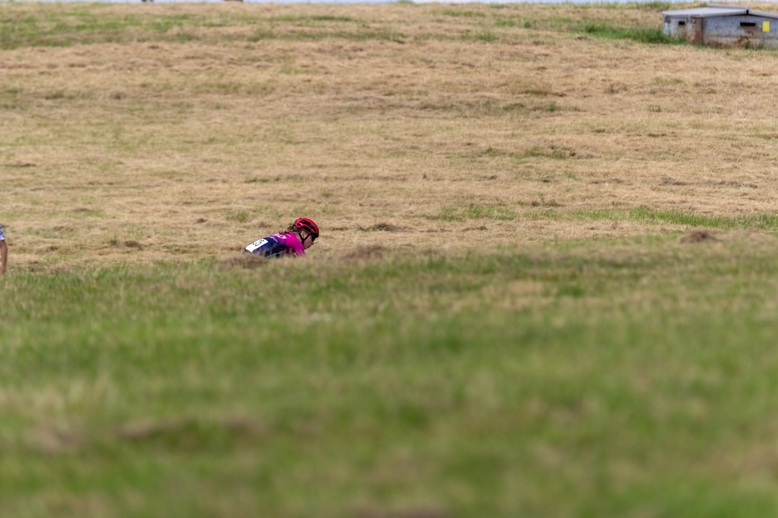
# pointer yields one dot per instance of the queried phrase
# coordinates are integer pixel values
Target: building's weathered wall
(676, 27)
(726, 31)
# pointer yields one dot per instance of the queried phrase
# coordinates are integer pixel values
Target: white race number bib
(256, 244)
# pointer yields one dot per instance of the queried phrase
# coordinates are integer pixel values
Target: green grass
(760, 221)
(633, 377)
(653, 6)
(485, 35)
(476, 212)
(640, 34)
(462, 13)
(85, 24)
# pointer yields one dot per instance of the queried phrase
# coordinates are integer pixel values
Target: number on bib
(256, 244)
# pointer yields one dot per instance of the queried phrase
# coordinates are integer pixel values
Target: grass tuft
(764, 221)
(553, 151)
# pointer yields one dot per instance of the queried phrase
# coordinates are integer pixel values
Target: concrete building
(723, 26)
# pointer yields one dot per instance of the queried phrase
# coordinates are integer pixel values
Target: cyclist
(3, 252)
(294, 240)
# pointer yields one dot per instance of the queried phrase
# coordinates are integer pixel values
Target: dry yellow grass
(149, 149)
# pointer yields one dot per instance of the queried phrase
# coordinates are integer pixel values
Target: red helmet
(307, 224)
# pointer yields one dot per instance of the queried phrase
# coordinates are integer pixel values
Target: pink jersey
(293, 242)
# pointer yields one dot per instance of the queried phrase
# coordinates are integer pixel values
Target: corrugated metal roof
(711, 10)
(707, 12)
(762, 13)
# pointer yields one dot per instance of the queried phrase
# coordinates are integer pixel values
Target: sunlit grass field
(136, 133)
(545, 286)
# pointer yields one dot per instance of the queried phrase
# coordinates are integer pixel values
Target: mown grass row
(19, 27)
(574, 379)
(757, 221)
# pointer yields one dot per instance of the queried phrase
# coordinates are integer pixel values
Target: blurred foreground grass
(622, 378)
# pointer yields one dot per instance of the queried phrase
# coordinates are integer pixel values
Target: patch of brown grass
(197, 148)
(699, 236)
(381, 227)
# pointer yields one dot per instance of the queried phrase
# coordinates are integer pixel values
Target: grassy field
(633, 378)
(500, 319)
(162, 132)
